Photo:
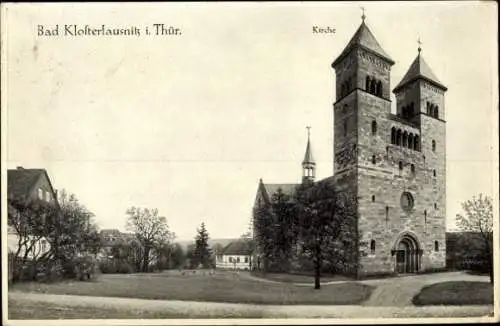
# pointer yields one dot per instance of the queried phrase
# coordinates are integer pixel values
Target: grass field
(42, 310)
(455, 293)
(220, 287)
(298, 278)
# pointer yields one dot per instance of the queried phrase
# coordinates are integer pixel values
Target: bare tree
(478, 219)
(151, 230)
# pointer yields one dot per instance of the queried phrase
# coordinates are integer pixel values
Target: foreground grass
(40, 310)
(455, 293)
(221, 287)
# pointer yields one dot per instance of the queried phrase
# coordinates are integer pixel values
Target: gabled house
(29, 186)
(236, 255)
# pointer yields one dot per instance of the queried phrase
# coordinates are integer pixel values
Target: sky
(189, 124)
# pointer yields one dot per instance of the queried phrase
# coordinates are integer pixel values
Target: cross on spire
(363, 16)
(419, 45)
(308, 132)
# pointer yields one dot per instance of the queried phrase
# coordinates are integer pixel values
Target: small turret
(308, 164)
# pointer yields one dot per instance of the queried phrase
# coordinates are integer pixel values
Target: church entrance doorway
(407, 255)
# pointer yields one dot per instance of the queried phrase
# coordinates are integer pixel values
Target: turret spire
(308, 164)
(419, 45)
(363, 16)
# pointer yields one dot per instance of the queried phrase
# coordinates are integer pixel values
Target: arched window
(373, 198)
(398, 137)
(386, 213)
(367, 84)
(412, 169)
(407, 201)
(434, 172)
(400, 165)
(428, 108)
(416, 143)
(372, 86)
(374, 159)
(425, 216)
(379, 88)
(410, 141)
(393, 135)
(372, 246)
(405, 139)
(433, 145)
(374, 127)
(436, 246)
(436, 112)
(412, 109)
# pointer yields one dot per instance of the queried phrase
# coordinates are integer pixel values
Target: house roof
(419, 69)
(237, 248)
(364, 38)
(286, 188)
(21, 181)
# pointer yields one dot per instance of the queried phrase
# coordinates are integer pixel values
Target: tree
(72, 233)
(478, 219)
(325, 219)
(66, 225)
(217, 251)
(178, 256)
(29, 221)
(151, 231)
(202, 252)
(276, 231)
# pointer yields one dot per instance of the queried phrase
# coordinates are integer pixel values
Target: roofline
(414, 79)
(344, 54)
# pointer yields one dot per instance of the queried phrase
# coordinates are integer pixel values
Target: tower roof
(419, 69)
(308, 157)
(364, 38)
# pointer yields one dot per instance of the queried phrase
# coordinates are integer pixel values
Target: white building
(236, 255)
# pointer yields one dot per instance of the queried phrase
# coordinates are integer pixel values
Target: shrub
(113, 266)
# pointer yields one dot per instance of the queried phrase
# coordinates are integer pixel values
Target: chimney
(20, 168)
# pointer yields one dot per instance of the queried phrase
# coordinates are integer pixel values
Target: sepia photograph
(249, 163)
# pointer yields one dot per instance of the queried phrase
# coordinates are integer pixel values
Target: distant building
(29, 186)
(236, 255)
(113, 238)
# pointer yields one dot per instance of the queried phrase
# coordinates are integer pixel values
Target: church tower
(308, 164)
(392, 167)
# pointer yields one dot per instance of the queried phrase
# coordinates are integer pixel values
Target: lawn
(220, 287)
(41, 310)
(299, 278)
(455, 293)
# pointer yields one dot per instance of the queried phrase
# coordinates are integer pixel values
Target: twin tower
(393, 164)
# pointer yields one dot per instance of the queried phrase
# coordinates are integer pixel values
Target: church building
(394, 164)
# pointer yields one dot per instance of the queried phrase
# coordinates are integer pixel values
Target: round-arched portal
(407, 255)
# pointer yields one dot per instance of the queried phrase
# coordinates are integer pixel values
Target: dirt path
(190, 309)
(396, 291)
